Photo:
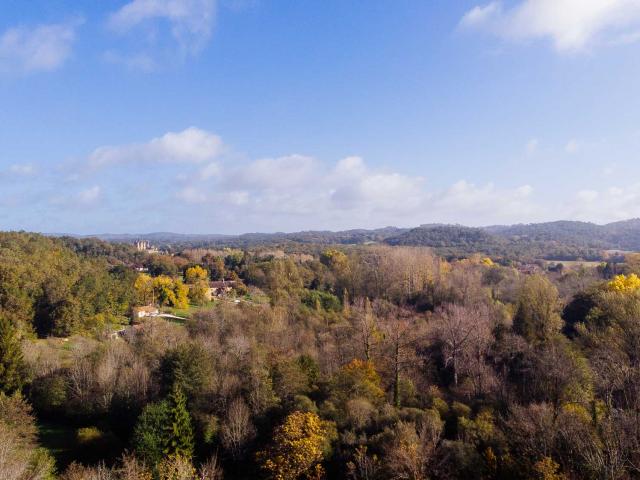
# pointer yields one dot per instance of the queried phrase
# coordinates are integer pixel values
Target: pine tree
(11, 363)
(179, 431)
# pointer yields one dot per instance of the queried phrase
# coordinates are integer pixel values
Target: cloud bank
(191, 181)
(571, 25)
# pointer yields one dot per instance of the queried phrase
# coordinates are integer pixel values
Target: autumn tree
(537, 315)
(195, 274)
(296, 448)
(358, 378)
(144, 289)
(171, 292)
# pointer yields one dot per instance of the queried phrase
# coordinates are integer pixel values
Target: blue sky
(253, 115)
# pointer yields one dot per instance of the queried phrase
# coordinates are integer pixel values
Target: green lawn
(187, 312)
(62, 442)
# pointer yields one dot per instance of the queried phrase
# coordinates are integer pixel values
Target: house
(220, 288)
(529, 269)
(139, 313)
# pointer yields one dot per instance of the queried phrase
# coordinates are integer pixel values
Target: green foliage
(178, 438)
(317, 299)
(12, 368)
(46, 287)
(149, 435)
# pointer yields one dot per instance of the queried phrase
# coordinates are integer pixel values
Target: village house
(220, 288)
(139, 313)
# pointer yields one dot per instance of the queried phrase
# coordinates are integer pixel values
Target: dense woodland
(357, 362)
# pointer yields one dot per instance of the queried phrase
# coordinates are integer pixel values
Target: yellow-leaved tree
(143, 287)
(624, 283)
(197, 280)
(195, 274)
(296, 449)
(171, 292)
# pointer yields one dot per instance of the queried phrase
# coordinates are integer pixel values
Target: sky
(231, 116)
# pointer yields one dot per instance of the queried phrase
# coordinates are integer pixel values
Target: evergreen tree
(11, 363)
(150, 432)
(179, 430)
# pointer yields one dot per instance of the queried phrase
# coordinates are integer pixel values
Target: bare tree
(402, 331)
(464, 334)
(237, 429)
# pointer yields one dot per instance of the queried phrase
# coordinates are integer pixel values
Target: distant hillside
(576, 233)
(445, 236)
(561, 240)
(624, 235)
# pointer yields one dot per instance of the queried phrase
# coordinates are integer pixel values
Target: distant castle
(144, 246)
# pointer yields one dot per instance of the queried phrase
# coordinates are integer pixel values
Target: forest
(314, 361)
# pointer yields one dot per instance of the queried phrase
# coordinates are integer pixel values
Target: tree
(20, 457)
(215, 265)
(237, 429)
(199, 292)
(537, 316)
(171, 292)
(296, 448)
(12, 369)
(179, 430)
(463, 334)
(144, 289)
(149, 433)
(357, 379)
(410, 452)
(401, 335)
(624, 283)
(195, 275)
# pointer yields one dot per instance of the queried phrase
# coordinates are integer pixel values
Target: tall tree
(537, 315)
(179, 429)
(11, 362)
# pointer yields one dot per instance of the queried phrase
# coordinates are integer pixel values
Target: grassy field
(61, 440)
(578, 263)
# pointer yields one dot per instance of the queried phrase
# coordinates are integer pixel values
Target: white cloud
(291, 171)
(481, 14)
(571, 25)
(476, 205)
(40, 48)
(192, 145)
(209, 171)
(191, 195)
(295, 192)
(606, 205)
(22, 169)
(89, 195)
(190, 21)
